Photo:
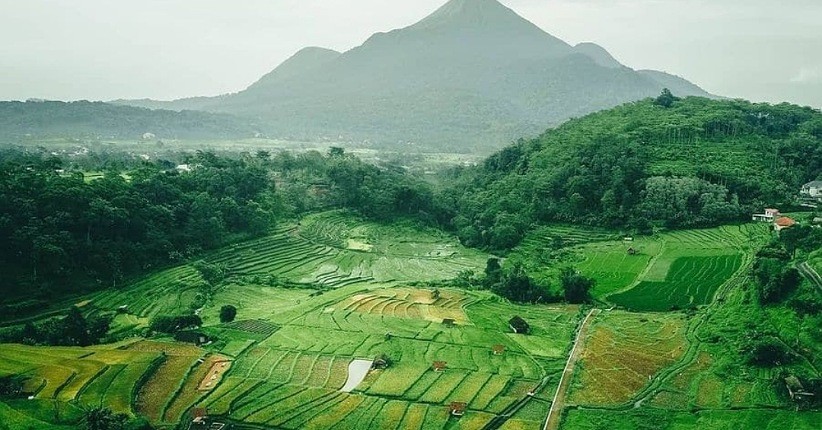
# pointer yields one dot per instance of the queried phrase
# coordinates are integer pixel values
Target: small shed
(199, 416)
(439, 366)
(632, 251)
(458, 408)
(498, 349)
(518, 325)
(795, 388)
(448, 322)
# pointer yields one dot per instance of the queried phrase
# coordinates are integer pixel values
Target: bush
(228, 313)
(173, 324)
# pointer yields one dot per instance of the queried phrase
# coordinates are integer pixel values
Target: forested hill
(97, 119)
(675, 163)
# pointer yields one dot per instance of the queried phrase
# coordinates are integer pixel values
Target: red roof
(785, 222)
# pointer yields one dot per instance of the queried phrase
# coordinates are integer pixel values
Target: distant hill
(472, 75)
(97, 119)
(688, 163)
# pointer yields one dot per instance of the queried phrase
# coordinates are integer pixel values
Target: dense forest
(666, 162)
(20, 120)
(62, 231)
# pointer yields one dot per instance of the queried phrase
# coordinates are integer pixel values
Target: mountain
(471, 76)
(95, 119)
(599, 54)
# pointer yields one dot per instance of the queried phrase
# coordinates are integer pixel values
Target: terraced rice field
(58, 376)
(177, 372)
(672, 270)
(292, 379)
(622, 353)
(690, 281)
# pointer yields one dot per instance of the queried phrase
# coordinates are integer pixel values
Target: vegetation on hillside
(674, 163)
(64, 233)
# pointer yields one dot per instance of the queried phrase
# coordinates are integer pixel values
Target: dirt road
(555, 413)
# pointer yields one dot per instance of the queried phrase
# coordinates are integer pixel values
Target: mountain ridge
(473, 75)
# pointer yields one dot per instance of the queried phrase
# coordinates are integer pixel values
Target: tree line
(63, 233)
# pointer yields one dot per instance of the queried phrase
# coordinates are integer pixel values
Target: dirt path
(807, 271)
(555, 413)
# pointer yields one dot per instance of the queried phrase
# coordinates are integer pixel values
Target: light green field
(675, 269)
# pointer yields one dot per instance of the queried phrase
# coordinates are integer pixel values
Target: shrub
(228, 313)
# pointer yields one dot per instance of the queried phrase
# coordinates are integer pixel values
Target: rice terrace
(461, 223)
(310, 306)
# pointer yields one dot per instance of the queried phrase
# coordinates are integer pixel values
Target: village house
(768, 216)
(783, 223)
(812, 190)
(439, 366)
(498, 349)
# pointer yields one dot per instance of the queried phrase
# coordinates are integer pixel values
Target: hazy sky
(764, 50)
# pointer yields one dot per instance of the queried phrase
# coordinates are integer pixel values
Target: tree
(104, 419)
(493, 272)
(228, 313)
(577, 288)
(666, 99)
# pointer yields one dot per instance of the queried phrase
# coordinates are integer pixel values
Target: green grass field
(671, 270)
(314, 296)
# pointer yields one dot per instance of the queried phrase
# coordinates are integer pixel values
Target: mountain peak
(469, 12)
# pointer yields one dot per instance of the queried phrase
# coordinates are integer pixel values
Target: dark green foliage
(698, 163)
(11, 387)
(666, 99)
(228, 313)
(519, 324)
(515, 285)
(174, 323)
(775, 278)
(63, 234)
(74, 329)
(104, 419)
(576, 288)
(767, 352)
(801, 237)
(493, 272)
(213, 274)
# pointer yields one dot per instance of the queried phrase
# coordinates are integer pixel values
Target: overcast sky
(165, 49)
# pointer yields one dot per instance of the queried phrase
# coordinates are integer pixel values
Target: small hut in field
(458, 408)
(498, 349)
(439, 366)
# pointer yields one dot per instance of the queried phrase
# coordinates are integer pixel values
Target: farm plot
(690, 281)
(162, 386)
(412, 303)
(81, 376)
(622, 352)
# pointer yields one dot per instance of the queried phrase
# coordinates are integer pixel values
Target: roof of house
(458, 406)
(199, 412)
(785, 222)
(440, 365)
(498, 348)
(814, 184)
